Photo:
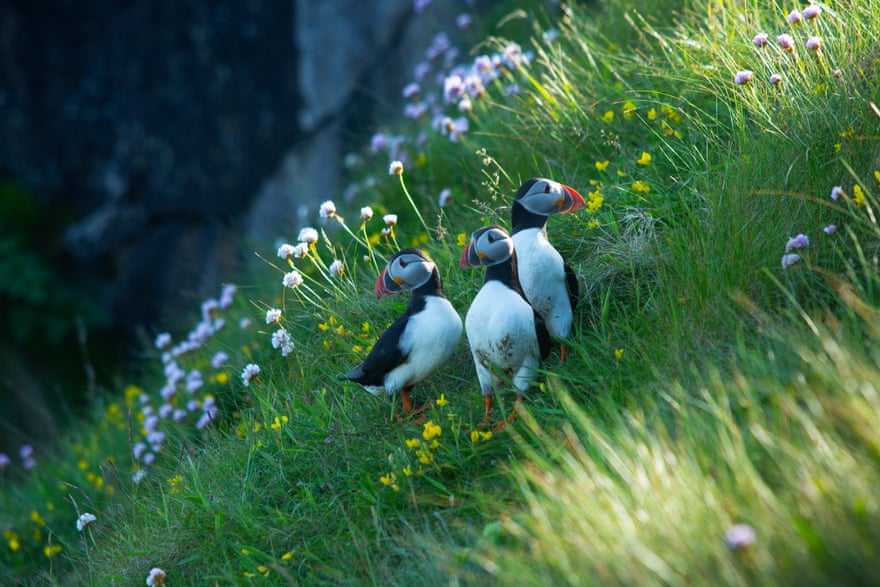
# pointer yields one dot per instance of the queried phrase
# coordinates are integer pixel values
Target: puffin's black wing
(571, 283)
(385, 356)
(544, 340)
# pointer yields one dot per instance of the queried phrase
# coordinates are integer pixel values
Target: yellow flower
(608, 116)
(618, 354)
(594, 201)
(14, 544)
(37, 518)
(365, 327)
(341, 329)
(356, 348)
(425, 457)
(652, 114)
(442, 401)
(641, 187)
(221, 378)
(431, 430)
(287, 556)
(389, 479)
(262, 569)
(407, 470)
(593, 223)
(837, 147)
(132, 392)
(645, 159)
(174, 482)
(51, 550)
(628, 109)
(323, 326)
(276, 425)
(877, 175)
(461, 239)
(601, 165)
(245, 551)
(858, 195)
(485, 435)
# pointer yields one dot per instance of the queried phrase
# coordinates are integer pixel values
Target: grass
(706, 386)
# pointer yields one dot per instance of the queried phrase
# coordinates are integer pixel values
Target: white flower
(301, 250)
(292, 279)
(249, 373)
(227, 295)
(327, 210)
(156, 578)
(444, 198)
(138, 450)
(308, 235)
(286, 250)
(273, 315)
(162, 340)
(245, 323)
(336, 267)
(811, 11)
(390, 219)
(219, 359)
(84, 520)
(396, 168)
(165, 411)
(366, 213)
(280, 338)
(814, 43)
(739, 536)
(410, 90)
(138, 476)
(789, 260)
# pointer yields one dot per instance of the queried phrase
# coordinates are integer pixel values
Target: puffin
(508, 338)
(420, 340)
(548, 282)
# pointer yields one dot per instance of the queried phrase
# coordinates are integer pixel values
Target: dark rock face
(157, 135)
(145, 124)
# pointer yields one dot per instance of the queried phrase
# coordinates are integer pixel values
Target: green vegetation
(707, 384)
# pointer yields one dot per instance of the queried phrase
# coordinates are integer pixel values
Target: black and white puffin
(420, 340)
(508, 338)
(548, 282)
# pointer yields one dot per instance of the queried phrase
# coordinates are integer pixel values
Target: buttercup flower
(327, 209)
(645, 158)
(156, 578)
(249, 373)
(798, 242)
(273, 316)
(760, 39)
(396, 168)
(789, 260)
(390, 219)
(743, 77)
(84, 520)
(366, 213)
(292, 280)
(602, 165)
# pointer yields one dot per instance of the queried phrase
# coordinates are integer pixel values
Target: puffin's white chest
(427, 342)
(542, 276)
(500, 327)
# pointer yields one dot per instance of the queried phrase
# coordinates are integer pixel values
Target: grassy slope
(705, 386)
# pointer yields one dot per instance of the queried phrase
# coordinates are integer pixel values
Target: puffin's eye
(546, 188)
(402, 262)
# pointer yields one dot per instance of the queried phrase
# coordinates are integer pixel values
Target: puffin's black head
(407, 269)
(544, 197)
(488, 246)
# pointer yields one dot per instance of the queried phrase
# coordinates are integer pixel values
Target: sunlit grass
(705, 385)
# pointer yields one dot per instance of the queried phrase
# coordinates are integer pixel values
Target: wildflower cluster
(778, 54)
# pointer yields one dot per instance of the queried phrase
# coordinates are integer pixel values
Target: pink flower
(760, 39)
(830, 229)
(794, 16)
(797, 242)
(743, 77)
(836, 192)
(814, 43)
(785, 42)
(812, 11)
(775, 79)
(789, 260)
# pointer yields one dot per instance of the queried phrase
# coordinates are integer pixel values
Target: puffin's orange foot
(562, 353)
